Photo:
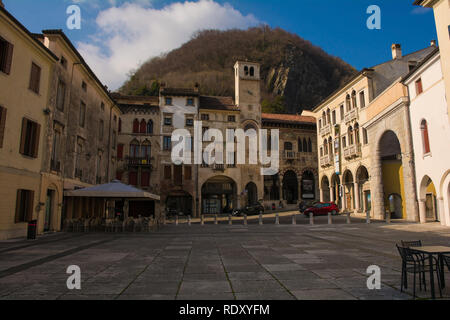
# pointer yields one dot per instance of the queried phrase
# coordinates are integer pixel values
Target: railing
(290, 155)
(351, 115)
(219, 167)
(326, 161)
(326, 130)
(352, 151)
(144, 162)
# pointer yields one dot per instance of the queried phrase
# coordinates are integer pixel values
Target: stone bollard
(215, 220)
(388, 217)
(349, 220)
(277, 219)
(294, 219)
(176, 220)
(311, 218)
(330, 218)
(245, 220)
(261, 222)
(368, 217)
(189, 220)
(202, 220)
(230, 220)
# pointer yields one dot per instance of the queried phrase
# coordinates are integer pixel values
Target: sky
(117, 36)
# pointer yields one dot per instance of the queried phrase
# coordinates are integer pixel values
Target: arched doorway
(325, 189)
(252, 193)
(335, 186)
(290, 187)
(349, 192)
(429, 196)
(308, 186)
(272, 187)
(392, 174)
(179, 201)
(363, 192)
(219, 195)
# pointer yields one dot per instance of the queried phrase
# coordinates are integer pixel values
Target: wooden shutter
(178, 175)
(18, 202)
(30, 203)
(37, 132)
(2, 124)
(132, 177)
(23, 136)
(167, 172)
(145, 179)
(188, 173)
(120, 152)
(9, 56)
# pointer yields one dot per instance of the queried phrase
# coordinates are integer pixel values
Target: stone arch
(428, 206)
(363, 194)
(290, 187)
(219, 195)
(325, 188)
(348, 184)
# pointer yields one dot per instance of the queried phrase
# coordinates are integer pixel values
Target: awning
(113, 190)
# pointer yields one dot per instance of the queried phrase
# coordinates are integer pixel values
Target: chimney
(432, 43)
(396, 51)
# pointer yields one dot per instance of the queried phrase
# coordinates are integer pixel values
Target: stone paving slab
(216, 263)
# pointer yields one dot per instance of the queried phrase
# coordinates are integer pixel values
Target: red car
(322, 209)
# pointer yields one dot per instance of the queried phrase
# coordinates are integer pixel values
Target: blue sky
(150, 27)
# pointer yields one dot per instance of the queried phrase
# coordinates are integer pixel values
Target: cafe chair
(446, 259)
(410, 244)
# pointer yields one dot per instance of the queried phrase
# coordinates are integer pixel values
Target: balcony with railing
(140, 162)
(352, 151)
(326, 161)
(218, 167)
(326, 130)
(351, 115)
(290, 155)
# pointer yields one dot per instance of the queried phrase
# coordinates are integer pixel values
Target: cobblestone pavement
(220, 262)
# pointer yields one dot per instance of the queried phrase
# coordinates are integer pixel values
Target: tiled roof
(180, 92)
(292, 118)
(218, 103)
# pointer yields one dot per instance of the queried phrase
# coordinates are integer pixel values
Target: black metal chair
(411, 263)
(446, 259)
(410, 244)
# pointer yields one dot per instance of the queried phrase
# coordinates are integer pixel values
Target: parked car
(322, 209)
(253, 209)
(305, 205)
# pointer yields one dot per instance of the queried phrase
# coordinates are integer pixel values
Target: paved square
(217, 262)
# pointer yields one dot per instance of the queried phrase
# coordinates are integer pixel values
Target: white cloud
(129, 35)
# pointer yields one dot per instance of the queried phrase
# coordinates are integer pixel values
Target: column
(376, 186)
(322, 195)
(343, 200)
(422, 211)
(332, 194)
(441, 211)
(357, 198)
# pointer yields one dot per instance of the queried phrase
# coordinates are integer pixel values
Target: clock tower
(248, 91)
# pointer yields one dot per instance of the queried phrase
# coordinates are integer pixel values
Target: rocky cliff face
(292, 68)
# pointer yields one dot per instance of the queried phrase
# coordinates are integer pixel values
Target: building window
(136, 126)
(82, 119)
(63, 62)
(167, 172)
(2, 124)
(252, 71)
(55, 163)
(189, 122)
(134, 149)
(287, 146)
(246, 70)
(362, 99)
(120, 125)
(344, 142)
(365, 136)
(190, 102)
(114, 140)
(146, 150)
(102, 107)
(143, 127)
(348, 103)
(167, 143)
(168, 101)
(6, 55)
(61, 96)
(300, 145)
(150, 127)
(78, 158)
(178, 175)
(35, 78)
(425, 137)
(132, 178)
(167, 121)
(320, 123)
(100, 130)
(231, 118)
(310, 146)
(145, 179)
(120, 151)
(342, 115)
(24, 206)
(354, 102)
(29, 142)
(205, 117)
(333, 117)
(419, 87)
(84, 86)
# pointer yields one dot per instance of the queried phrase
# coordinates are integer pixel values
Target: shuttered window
(178, 175)
(2, 124)
(188, 173)
(167, 172)
(419, 87)
(29, 140)
(24, 206)
(6, 55)
(120, 152)
(132, 178)
(145, 179)
(35, 78)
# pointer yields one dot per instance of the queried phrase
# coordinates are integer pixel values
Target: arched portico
(325, 195)
(428, 206)
(219, 195)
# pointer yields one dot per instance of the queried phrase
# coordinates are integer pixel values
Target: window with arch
(300, 145)
(328, 116)
(134, 149)
(143, 127)
(146, 150)
(330, 145)
(136, 126)
(324, 118)
(252, 71)
(305, 145)
(425, 137)
(365, 136)
(325, 146)
(288, 146)
(310, 145)
(120, 125)
(354, 102)
(348, 104)
(246, 70)
(150, 127)
(357, 139)
(342, 112)
(350, 136)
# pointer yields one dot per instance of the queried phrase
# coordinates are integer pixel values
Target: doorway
(48, 211)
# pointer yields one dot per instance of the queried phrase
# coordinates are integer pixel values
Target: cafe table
(432, 251)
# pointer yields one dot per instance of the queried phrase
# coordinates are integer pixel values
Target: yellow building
(26, 68)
